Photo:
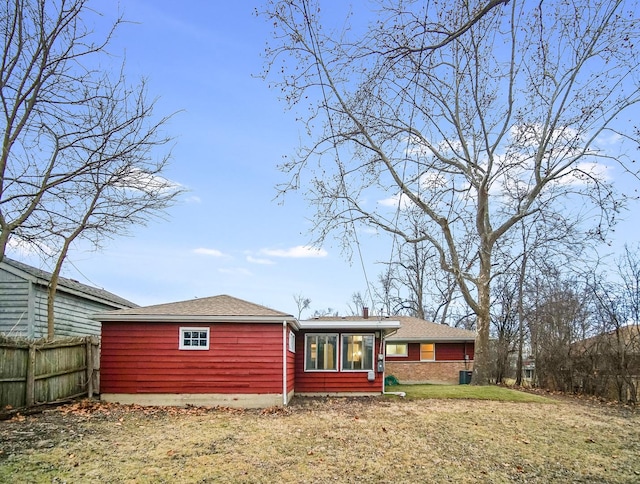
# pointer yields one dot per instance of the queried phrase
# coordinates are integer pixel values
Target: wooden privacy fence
(35, 372)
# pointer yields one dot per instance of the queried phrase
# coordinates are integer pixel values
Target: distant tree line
(475, 134)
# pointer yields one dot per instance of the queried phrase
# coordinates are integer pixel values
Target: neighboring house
(23, 303)
(608, 364)
(529, 369)
(225, 351)
(425, 352)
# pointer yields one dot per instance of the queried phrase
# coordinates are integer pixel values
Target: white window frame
(200, 329)
(337, 355)
(397, 355)
(434, 351)
(292, 341)
(343, 337)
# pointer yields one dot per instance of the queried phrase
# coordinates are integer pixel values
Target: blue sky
(227, 235)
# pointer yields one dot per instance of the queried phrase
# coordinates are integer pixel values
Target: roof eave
(169, 318)
(350, 325)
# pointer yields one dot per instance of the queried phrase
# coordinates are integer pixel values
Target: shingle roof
(43, 277)
(415, 329)
(210, 308)
(627, 336)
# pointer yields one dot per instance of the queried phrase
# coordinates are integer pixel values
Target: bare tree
(122, 192)
(467, 116)
(504, 318)
(78, 141)
(357, 304)
(302, 303)
(536, 247)
(413, 262)
(388, 292)
(559, 319)
(613, 354)
(421, 288)
(325, 313)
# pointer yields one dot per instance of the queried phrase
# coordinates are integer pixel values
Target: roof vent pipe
(365, 312)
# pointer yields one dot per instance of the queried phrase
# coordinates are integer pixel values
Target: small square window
(397, 349)
(194, 339)
(427, 352)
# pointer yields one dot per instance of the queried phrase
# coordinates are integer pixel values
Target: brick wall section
(427, 372)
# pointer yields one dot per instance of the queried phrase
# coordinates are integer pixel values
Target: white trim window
(292, 342)
(428, 352)
(321, 352)
(397, 349)
(194, 339)
(357, 352)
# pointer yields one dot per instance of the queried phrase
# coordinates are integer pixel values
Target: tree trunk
(519, 362)
(4, 240)
(51, 297)
(482, 358)
(53, 283)
(521, 278)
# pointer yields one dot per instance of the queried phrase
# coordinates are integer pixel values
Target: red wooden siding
(333, 381)
(444, 352)
(144, 358)
(453, 351)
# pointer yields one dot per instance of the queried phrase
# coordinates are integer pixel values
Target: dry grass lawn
(321, 440)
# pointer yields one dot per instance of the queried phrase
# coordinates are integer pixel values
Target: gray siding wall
(23, 310)
(72, 315)
(14, 305)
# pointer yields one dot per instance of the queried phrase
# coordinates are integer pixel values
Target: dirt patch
(325, 439)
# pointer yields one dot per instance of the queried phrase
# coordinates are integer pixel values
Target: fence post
(89, 361)
(31, 377)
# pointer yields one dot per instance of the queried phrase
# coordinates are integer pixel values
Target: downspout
(382, 352)
(284, 363)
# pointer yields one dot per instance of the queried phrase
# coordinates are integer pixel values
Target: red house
(225, 351)
(425, 352)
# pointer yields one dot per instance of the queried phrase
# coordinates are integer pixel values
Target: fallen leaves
(314, 438)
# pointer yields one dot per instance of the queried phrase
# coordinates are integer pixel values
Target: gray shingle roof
(43, 277)
(414, 329)
(207, 307)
